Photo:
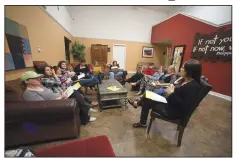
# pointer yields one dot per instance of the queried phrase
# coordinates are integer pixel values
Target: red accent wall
(181, 30)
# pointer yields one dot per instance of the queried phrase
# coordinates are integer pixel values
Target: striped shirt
(52, 83)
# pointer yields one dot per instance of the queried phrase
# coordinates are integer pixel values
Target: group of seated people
(52, 84)
(148, 78)
(180, 93)
(111, 70)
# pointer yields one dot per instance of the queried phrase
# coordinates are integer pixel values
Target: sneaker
(91, 110)
(139, 125)
(92, 119)
(94, 104)
(131, 102)
(133, 84)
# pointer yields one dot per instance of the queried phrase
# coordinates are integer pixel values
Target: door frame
(125, 52)
(70, 45)
(182, 55)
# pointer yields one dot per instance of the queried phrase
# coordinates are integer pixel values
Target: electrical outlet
(38, 49)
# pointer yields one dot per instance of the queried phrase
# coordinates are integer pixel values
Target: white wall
(114, 22)
(62, 16)
(214, 14)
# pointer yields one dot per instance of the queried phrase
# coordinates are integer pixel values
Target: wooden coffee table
(108, 98)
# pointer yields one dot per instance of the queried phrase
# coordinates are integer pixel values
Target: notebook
(155, 97)
(76, 86)
(81, 76)
(97, 69)
(70, 90)
(114, 67)
(113, 88)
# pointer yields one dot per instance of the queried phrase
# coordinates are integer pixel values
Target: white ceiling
(165, 9)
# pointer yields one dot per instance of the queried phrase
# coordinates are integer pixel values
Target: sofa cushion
(39, 66)
(13, 90)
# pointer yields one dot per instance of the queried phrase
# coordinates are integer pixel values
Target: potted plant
(78, 51)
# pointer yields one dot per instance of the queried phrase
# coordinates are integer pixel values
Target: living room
(136, 37)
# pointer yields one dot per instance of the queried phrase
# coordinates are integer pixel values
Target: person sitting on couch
(89, 79)
(96, 68)
(179, 100)
(107, 74)
(35, 91)
(137, 76)
(65, 80)
(64, 69)
(149, 70)
(115, 69)
(165, 81)
(148, 79)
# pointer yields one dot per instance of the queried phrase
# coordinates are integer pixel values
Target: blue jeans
(161, 91)
(91, 81)
(111, 75)
(118, 74)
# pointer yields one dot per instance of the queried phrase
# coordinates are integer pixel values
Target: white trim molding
(131, 72)
(198, 19)
(221, 95)
(43, 9)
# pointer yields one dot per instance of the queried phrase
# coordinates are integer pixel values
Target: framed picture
(147, 52)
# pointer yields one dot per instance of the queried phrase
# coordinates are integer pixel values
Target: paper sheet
(113, 88)
(69, 91)
(155, 97)
(114, 67)
(81, 76)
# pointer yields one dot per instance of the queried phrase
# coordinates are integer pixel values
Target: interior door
(95, 53)
(119, 55)
(99, 53)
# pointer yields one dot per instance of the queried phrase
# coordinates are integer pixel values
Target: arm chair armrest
(20, 111)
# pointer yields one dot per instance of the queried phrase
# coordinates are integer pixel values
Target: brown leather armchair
(29, 122)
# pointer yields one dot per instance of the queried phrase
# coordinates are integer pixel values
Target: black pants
(148, 104)
(83, 105)
(84, 96)
(135, 77)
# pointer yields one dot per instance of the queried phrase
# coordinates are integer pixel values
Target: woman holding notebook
(114, 68)
(179, 100)
(89, 79)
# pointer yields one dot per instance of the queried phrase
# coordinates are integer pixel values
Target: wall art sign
(213, 47)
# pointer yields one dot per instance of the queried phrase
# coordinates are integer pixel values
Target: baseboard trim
(131, 72)
(221, 95)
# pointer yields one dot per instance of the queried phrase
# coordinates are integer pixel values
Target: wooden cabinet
(99, 53)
